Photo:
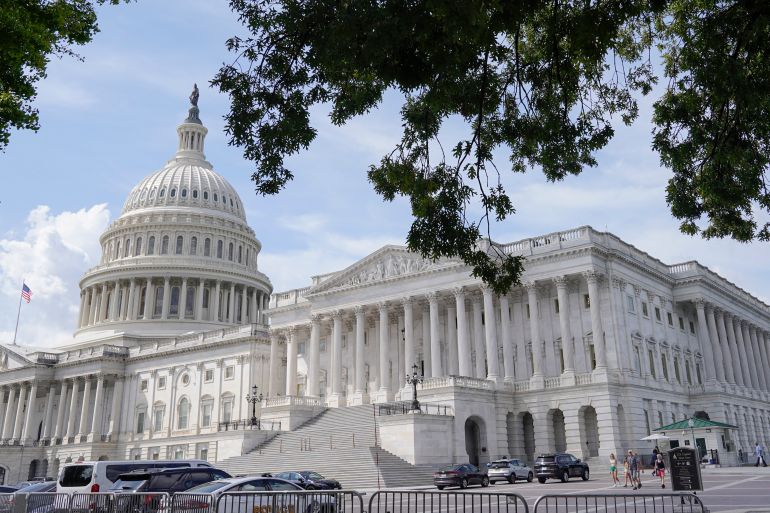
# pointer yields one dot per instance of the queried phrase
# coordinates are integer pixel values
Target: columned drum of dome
(180, 257)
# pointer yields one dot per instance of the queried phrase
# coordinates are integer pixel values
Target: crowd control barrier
(621, 503)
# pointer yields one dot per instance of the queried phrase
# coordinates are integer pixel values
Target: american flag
(26, 293)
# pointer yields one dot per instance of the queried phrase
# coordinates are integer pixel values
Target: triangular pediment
(11, 358)
(386, 264)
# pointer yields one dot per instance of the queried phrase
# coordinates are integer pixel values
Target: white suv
(509, 470)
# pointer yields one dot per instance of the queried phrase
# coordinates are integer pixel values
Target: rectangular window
(556, 305)
(676, 370)
(586, 301)
(158, 302)
(227, 411)
(697, 372)
(140, 422)
(645, 311)
(630, 303)
(592, 356)
(527, 310)
(143, 386)
(638, 359)
(670, 318)
(687, 372)
(692, 327)
(561, 360)
(660, 418)
(154, 453)
(664, 362)
(657, 314)
(206, 415)
(158, 419)
(230, 372)
(161, 382)
(203, 454)
(208, 375)
(681, 323)
(651, 357)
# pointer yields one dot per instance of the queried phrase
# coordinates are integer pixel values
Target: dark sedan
(461, 475)
(560, 466)
(310, 480)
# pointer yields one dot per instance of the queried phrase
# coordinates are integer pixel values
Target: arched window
(224, 199)
(141, 301)
(162, 193)
(215, 196)
(184, 193)
(195, 193)
(174, 306)
(207, 247)
(164, 245)
(240, 254)
(189, 303)
(219, 249)
(247, 257)
(205, 298)
(173, 193)
(193, 245)
(158, 302)
(205, 195)
(127, 249)
(151, 245)
(230, 252)
(231, 202)
(179, 243)
(183, 414)
(117, 251)
(138, 247)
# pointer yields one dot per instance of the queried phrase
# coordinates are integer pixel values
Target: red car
(460, 475)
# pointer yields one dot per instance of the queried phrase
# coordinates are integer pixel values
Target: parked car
(509, 470)
(560, 466)
(309, 480)
(460, 475)
(38, 487)
(166, 480)
(235, 497)
(8, 489)
(98, 476)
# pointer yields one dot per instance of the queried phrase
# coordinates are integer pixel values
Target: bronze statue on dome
(194, 95)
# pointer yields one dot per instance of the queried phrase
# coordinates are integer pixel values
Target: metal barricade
(46, 502)
(92, 503)
(192, 503)
(620, 503)
(305, 501)
(142, 503)
(414, 501)
(6, 502)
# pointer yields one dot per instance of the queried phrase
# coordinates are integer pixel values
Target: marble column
(705, 340)
(534, 328)
(759, 357)
(117, 401)
(59, 431)
(19, 418)
(92, 306)
(244, 305)
(115, 306)
(96, 420)
(291, 362)
(465, 363)
(360, 376)
(8, 418)
(85, 409)
(73, 409)
(253, 315)
(131, 306)
(82, 309)
(29, 430)
(315, 356)
(742, 352)
(102, 310)
(47, 419)
(166, 297)
(231, 313)
(183, 299)
(597, 328)
(490, 335)
(566, 333)
(764, 344)
(149, 294)
(505, 333)
(216, 310)
(451, 342)
(723, 342)
(384, 393)
(275, 363)
(435, 336)
(719, 367)
(749, 345)
(336, 357)
(199, 292)
(427, 357)
(410, 356)
(734, 349)
(478, 336)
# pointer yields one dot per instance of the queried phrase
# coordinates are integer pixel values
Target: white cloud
(50, 256)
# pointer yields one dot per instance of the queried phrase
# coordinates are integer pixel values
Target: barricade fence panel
(622, 503)
(331, 501)
(142, 503)
(6, 502)
(46, 503)
(439, 502)
(92, 503)
(192, 503)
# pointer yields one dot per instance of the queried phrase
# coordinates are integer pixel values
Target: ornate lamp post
(253, 398)
(413, 380)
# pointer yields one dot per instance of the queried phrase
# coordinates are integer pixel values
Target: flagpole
(18, 313)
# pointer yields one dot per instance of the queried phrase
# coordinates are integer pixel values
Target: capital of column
(530, 285)
(336, 314)
(637, 290)
(407, 301)
(432, 296)
(561, 282)
(315, 318)
(359, 310)
(459, 292)
(382, 306)
(592, 276)
(728, 316)
(700, 303)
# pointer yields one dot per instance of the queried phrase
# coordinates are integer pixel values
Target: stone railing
(290, 400)
(521, 386)
(682, 268)
(46, 358)
(553, 382)
(288, 298)
(457, 381)
(584, 379)
(555, 240)
(118, 351)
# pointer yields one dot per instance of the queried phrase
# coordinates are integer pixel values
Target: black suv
(560, 466)
(169, 480)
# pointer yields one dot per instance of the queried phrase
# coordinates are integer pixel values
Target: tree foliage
(33, 31)
(543, 81)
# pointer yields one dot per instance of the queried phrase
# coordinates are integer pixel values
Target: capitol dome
(181, 256)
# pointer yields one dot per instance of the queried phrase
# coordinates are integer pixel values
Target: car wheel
(512, 478)
(585, 475)
(484, 482)
(541, 480)
(564, 476)
(464, 483)
(530, 477)
(440, 487)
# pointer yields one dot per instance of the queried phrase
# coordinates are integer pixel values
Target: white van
(98, 476)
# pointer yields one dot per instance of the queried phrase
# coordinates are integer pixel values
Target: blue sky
(110, 120)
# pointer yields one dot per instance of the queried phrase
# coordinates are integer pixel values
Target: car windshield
(499, 464)
(208, 487)
(127, 484)
(39, 487)
(312, 475)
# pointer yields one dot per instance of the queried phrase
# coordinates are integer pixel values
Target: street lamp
(413, 380)
(253, 398)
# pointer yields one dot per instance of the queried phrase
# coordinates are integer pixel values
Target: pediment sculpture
(390, 267)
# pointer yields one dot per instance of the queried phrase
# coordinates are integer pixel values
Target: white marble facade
(176, 323)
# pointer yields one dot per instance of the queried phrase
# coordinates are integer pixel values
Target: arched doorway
(104, 457)
(556, 417)
(33, 468)
(474, 439)
(510, 429)
(528, 423)
(589, 431)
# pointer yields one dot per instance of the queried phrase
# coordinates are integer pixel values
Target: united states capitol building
(600, 345)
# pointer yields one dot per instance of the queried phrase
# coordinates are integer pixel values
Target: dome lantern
(191, 132)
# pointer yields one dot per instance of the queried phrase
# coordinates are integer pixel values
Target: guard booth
(713, 440)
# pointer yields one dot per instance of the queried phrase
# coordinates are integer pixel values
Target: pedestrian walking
(634, 466)
(759, 454)
(660, 470)
(626, 473)
(614, 470)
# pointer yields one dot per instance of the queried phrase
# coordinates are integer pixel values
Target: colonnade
(461, 347)
(75, 421)
(171, 297)
(735, 351)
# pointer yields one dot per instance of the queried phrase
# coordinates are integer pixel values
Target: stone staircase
(338, 443)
